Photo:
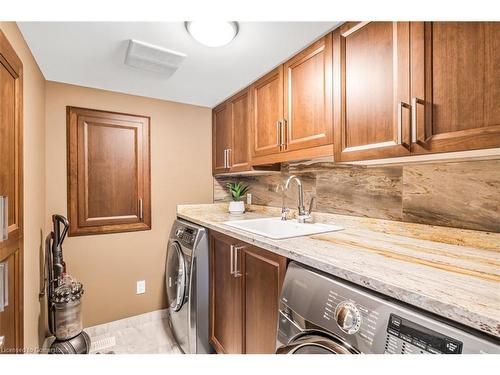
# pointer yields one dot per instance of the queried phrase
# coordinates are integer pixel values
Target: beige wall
(109, 265)
(34, 180)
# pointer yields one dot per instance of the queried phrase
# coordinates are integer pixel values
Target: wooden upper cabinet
(267, 111)
(372, 91)
(108, 172)
(221, 137)
(308, 97)
(239, 158)
(455, 85)
(230, 128)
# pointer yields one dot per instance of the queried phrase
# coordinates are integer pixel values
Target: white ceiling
(92, 54)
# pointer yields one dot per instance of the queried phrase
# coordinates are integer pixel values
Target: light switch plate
(141, 287)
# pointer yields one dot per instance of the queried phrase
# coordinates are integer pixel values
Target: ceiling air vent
(153, 58)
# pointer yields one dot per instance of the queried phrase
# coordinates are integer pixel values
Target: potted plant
(237, 190)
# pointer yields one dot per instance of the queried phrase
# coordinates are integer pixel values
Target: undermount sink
(278, 229)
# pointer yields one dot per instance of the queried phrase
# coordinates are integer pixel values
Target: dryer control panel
(407, 336)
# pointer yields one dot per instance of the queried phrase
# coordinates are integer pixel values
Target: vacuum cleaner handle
(58, 220)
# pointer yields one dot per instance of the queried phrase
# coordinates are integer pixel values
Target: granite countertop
(451, 272)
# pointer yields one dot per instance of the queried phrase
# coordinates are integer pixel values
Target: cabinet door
(9, 312)
(455, 85)
(221, 137)
(239, 151)
(308, 97)
(372, 90)
(264, 273)
(226, 320)
(108, 172)
(267, 111)
(11, 194)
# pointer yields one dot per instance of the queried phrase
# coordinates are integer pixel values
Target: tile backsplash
(464, 194)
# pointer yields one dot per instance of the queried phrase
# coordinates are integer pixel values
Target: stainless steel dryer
(186, 279)
(321, 314)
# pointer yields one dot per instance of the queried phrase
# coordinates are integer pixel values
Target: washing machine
(321, 314)
(186, 278)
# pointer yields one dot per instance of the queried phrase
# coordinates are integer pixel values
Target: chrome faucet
(303, 215)
(284, 209)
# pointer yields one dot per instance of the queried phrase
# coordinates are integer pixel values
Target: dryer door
(315, 343)
(176, 276)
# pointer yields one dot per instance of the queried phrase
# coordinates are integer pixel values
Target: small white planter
(236, 207)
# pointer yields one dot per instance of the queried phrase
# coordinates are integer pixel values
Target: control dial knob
(348, 317)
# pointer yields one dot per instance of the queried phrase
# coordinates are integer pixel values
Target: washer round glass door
(176, 276)
(315, 344)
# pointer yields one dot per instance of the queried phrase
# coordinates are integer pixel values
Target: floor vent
(100, 343)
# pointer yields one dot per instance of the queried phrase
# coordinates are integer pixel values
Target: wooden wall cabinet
(11, 196)
(108, 172)
(308, 97)
(405, 88)
(372, 92)
(455, 86)
(267, 114)
(230, 132)
(245, 285)
(292, 108)
(221, 138)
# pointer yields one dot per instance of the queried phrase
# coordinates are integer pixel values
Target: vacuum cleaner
(64, 296)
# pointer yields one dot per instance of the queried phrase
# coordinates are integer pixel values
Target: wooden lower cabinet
(263, 277)
(245, 285)
(226, 312)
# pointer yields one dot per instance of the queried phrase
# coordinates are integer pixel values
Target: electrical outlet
(141, 287)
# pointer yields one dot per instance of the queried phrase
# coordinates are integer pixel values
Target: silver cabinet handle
(2, 341)
(228, 158)
(402, 105)
(283, 135)
(231, 260)
(141, 210)
(4, 218)
(4, 286)
(278, 133)
(237, 272)
(414, 102)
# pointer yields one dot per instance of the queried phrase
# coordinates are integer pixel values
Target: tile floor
(142, 334)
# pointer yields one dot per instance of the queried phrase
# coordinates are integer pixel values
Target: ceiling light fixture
(212, 34)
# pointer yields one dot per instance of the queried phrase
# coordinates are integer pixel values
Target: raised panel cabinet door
(221, 137)
(108, 172)
(308, 97)
(264, 273)
(239, 159)
(267, 112)
(226, 312)
(11, 197)
(9, 321)
(371, 63)
(455, 85)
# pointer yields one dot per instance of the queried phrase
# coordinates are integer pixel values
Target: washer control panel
(186, 235)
